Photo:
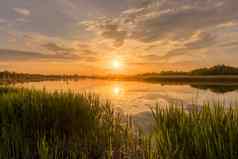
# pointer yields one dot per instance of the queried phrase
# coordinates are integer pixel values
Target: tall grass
(208, 133)
(60, 125)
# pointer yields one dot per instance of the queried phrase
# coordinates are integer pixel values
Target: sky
(116, 36)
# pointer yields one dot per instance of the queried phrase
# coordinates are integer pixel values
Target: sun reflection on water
(117, 90)
(136, 97)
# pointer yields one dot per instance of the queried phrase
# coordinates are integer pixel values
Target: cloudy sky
(86, 36)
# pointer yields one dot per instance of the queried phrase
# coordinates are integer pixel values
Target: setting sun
(118, 79)
(116, 64)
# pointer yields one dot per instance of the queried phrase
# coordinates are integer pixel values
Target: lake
(133, 97)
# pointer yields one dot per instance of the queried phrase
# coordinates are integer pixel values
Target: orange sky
(87, 37)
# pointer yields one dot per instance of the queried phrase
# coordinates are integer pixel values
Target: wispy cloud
(151, 32)
(179, 21)
(22, 11)
(57, 48)
(17, 55)
(3, 21)
(171, 20)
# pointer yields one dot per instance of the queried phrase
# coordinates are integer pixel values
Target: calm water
(136, 98)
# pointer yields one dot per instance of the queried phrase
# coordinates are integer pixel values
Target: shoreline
(171, 79)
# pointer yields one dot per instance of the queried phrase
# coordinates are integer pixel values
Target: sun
(116, 64)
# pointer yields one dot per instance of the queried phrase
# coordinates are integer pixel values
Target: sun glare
(117, 90)
(116, 64)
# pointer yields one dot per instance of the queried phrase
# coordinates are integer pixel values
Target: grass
(60, 125)
(209, 133)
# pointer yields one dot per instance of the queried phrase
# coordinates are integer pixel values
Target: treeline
(215, 70)
(7, 76)
(11, 77)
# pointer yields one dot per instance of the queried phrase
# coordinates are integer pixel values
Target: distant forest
(7, 76)
(11, 77)
(215, 70)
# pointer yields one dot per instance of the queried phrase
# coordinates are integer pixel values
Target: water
(135, 98)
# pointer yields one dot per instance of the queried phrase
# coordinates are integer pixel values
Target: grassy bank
(41, 125)
(208, 133)
(61, 125)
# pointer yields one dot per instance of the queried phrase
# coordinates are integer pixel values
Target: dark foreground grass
(61, 125)
(41, 125)
(208, 133)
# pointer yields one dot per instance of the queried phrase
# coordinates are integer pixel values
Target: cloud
(86, 54)
(17, 55)
(181, 22)
(22, 20)
(83, 50)
(3, 21)
(53, 47)
(108, 29)
(200, 41)
(172, 20)
(22, 11)
(230, 44)
(171, 30)
(150, 57)
(57, 48)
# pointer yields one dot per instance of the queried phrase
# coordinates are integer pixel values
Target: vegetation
(60, 125)
(12, 77)
(208, 133)
(226, 73)
(218, 74)
(215, 70)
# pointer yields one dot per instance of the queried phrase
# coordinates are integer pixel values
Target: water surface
(134, 98)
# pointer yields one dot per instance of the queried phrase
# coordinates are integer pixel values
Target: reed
(66, 125)
(205, 133)
(37, 124)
